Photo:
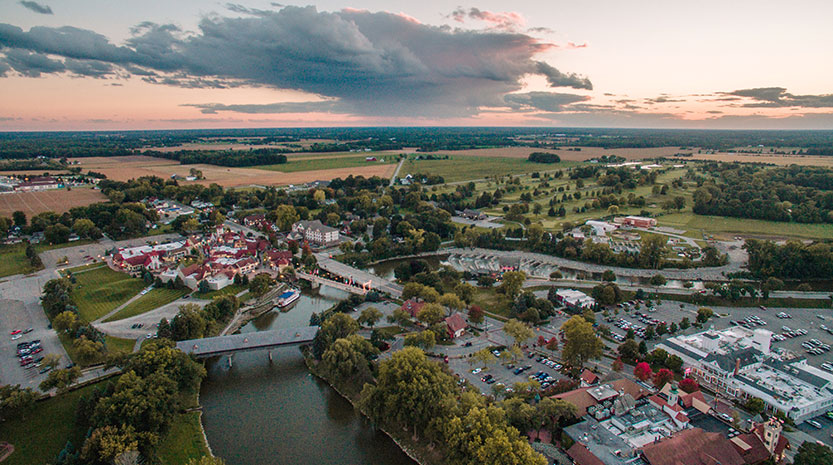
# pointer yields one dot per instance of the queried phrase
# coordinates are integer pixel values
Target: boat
(287, 298)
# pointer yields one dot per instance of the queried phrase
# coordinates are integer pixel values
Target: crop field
(56, 200)
(100, 290)
(134, 166)
(294, 165)
(463, 168)
(781, 160)
(156, 298)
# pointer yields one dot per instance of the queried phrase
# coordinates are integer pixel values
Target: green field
(156, 298)
(100, 290)
(46, 429)
(117, 344)
(184, 441)
(718, 224)
(14, 260)
(231, 289)
(314, 164)
(462, 168)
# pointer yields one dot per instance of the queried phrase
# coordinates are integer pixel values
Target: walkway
(261, 340)
(329, 282)
(358, 276)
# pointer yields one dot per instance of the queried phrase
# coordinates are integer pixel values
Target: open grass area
(314, 164)
(46, 429)
(117, 344)
(156, 298)
(491, 301)
(231, 289)
(14, 260)
(462, 168)
(100, 290)
(184, 441)
(718, 224)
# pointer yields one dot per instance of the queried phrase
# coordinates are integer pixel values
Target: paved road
(243, 229)
(122, 328)
(77, 255)
(359, 276)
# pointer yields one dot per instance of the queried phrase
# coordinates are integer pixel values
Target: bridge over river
(261, 340)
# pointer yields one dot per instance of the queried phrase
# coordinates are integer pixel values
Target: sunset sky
(84, 64)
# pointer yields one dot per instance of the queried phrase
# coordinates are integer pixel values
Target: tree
(688, 385)
(811, 453)
(60, 379)
(658, 280)
(609, 276)
(771, 284)
(476, 314)
(204, 288)
(88, 351)
(400, 317)
(484, 356)
(56, 234)
(285, 217)
(188, 323)
(465, 291)
(83, 227)
(108, 442)
(425, 339)
(518, 331)
(370, 316)
(618, 365)
(643, 371)
(348, 359)
(452, 302)
(19, 219)
(65, 321)
(652, 251)
(260, 284)
(333, 328)
(51, 360)
(703, 314)
(581, 344)
(430, 314)
(662, 377)
(15, 400)
(206, 460)
(629, 350)
(552, 344)
(684, 323)
(512, 283)
(755, 405)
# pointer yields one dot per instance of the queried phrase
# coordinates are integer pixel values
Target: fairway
(717, 224)
(100, 290)
(464, 168)
(315, 164)
(156, 298)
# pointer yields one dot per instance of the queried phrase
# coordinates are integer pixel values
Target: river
(262, 413)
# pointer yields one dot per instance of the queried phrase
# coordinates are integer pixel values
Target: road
(123, 328)
(396, 173)
(243, 229)
(359, 276)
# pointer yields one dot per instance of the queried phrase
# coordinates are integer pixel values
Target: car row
(27, 353)
(815, 347)
(784, 315)
(549, 363)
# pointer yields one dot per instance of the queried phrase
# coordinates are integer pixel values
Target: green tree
(658, 280)
(285, 217)
(518, 331)
(333, 328)
(56, 234)
(188, 323)
(703, 314)
(810, 453)
(581, 344)
(60, 379)
(65, 321)
(260, 284)
(755, 405)
(609, 276)
(206, 460)
(83, 226)
(370, 316)
(652, 251)
(484, 356)
(512, 283)
(426, 339)
(87, 351)
(15, 401)
(19, 219)
(465, 291)
(348, 359)
(684, 323)
(107, 443)
(452, 302)
(431, 314)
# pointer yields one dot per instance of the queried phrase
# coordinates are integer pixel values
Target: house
(370, 159)
(588, 378)
(412, 306)
(586, 397)
(639, 222)
(314, 232)
(277, 259)
(475, 215)
(253, 220)
(692, 447)
(456, 325)
(581, 455)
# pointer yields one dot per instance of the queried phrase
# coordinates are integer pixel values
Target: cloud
(778, 97)
(546, 101)
(36, 7)
(507, 20)
(32, 64)
(378, 64)
(268, 108)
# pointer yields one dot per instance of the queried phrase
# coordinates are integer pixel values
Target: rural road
(396, 173)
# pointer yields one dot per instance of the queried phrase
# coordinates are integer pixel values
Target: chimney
(737, 366)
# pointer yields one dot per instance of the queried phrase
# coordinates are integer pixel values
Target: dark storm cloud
(373, 63)
(546, 101)
(777, 97)
(32, 64)
(36, 7)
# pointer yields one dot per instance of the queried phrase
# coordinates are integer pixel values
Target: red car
(25, 361)
(17, 331)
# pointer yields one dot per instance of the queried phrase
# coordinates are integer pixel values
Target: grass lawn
(14, 260)
(184, 441)
(117, 344)
(461, 168)
(491, 301)
(100, 290)
(314, 164)
(44, 247)
(231, 289)
(718, 224)
(46, 430)
(156, 298)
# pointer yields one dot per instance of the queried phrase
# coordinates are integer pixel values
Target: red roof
(783, 442)
(693, 447)
(455, 323)
(750, 447)
(589, 377)
(688, 399)
(582, 455)
(413, 306)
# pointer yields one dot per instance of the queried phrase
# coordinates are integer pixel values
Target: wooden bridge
(233, 343)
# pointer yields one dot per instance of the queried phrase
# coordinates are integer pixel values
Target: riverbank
(417, 452)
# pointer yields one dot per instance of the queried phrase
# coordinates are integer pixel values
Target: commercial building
(574, 299)
(637, 221)
(38, 183)
(314, 232)
(737, 363)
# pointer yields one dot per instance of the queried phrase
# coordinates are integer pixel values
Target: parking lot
(506, 374)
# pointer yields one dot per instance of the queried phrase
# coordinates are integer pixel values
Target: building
(475, 215)
(737, 362)
(601, 228)
(456, 325)
(574, 299)
(638, 221)
(38, 183)
(150, 257)
(584, 398)
(588, 378)
(253, 220)
(412, 306)
(692, 447)
(277, 259)
(314, 232)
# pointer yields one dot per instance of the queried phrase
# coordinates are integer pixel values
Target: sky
(95, 65)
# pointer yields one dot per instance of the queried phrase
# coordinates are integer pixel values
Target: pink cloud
(507, 20)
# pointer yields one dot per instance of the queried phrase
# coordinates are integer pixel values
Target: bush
(543, 157)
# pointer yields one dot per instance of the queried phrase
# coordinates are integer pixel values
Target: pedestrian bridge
(261, 340)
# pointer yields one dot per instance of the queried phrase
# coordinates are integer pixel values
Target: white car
(814, 424)
(476, 371)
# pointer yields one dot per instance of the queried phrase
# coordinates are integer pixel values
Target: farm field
(585, 153)
(100, 290)
(156, 298)
(463, 168)
(718, 225)
(134, 166)
(57, 200)
(782, 160)
(294, 165)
